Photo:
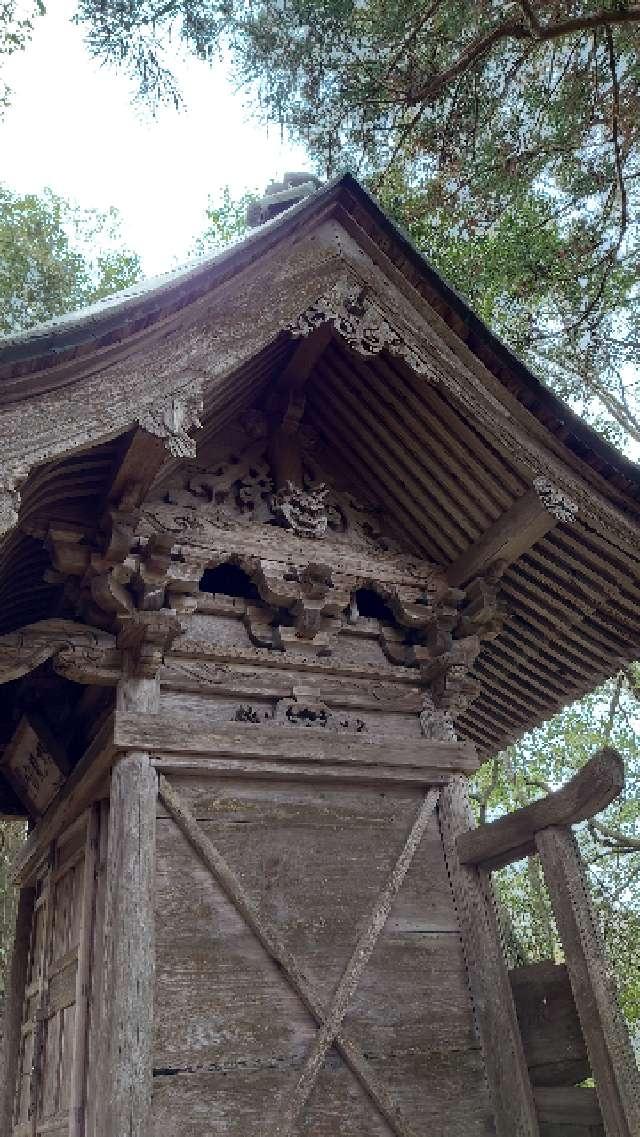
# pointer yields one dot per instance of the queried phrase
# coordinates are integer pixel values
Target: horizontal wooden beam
(312, 772)
(160, 735)
(509, 838)
(513, 533)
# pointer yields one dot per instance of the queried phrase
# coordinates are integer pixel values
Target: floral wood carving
(173, 416)
(362, 323)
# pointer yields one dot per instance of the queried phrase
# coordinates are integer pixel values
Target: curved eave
(25, 359)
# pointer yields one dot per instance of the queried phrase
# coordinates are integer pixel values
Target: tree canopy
(504, 136)
(56, 256)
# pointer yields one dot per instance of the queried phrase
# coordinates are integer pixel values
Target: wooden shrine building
(290, 544)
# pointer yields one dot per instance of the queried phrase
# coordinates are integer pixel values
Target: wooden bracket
(509, 838)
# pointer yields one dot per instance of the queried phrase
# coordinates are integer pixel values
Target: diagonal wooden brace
(330, 1029)
(276, 948)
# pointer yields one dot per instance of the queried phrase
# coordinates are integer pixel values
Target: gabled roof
(414, 396)
(112, 320)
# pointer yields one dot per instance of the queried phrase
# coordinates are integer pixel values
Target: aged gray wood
(304, 772)
(77, 793)
(352, 974)
(551, 1034)
(230, 1031)
(507, 1074)
(610, 1054)
(128, 976)
(82, 994)
(515, 531)
(163, 735)
(128, 967)
(513, 836)
(95, 1008)
(273, 944)
(13, 1008)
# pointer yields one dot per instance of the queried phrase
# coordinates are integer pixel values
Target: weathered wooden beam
(610, 1053)
(284, 445)
(161, 734)
(14, 998)
(126, 1021)
(81, 1019)
(304, 358)
(313, 772)
(513, 533)
(506, 1067)
(509, 838)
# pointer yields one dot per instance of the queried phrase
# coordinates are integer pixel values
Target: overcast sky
(72, 126)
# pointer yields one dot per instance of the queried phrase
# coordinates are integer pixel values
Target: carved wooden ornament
(34, 766)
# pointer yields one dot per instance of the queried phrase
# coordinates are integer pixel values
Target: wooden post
(13, 1011)
(507, 1074)
(610, 1054)
(126, 1020)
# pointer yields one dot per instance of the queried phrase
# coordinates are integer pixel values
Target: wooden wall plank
(231, 1034)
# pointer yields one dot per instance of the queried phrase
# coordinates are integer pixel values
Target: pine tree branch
(519, 30)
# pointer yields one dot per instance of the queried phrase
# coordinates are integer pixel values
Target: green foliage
(16, 26)
(545, 759)
(506, 134)
(226, 221)
(55, 256)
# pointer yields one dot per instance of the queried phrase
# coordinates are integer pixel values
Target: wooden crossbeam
(511, 535)
(509, 838)
(161, 735)
(568, 1105)
(274, 945)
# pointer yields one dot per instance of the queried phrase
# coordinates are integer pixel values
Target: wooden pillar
(13, 1011)
(507, 1074)
(126, 1023)
(607, 1040)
